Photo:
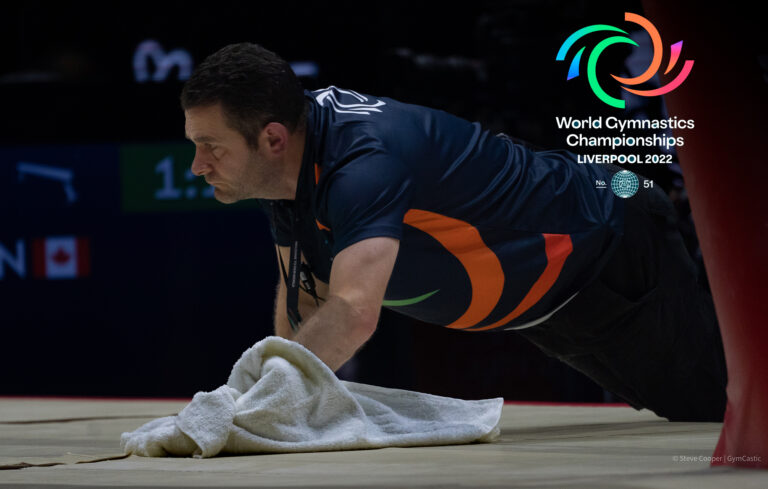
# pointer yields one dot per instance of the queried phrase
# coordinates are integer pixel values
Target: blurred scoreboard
(105, 245)
(71, 189)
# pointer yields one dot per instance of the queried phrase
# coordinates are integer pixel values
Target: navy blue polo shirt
(493, 235)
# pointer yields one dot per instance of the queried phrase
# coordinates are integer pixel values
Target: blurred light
(305, 68)
(164, 62)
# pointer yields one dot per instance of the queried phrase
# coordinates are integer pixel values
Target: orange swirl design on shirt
(463, 241)
(557, 247)
(483, 267)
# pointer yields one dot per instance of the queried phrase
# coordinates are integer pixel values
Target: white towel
(281, 398)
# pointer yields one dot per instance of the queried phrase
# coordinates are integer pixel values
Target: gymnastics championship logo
(573, 71)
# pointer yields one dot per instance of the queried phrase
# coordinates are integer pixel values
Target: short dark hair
(254, 87)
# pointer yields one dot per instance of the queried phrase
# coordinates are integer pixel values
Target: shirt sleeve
(368, 197)
(279, 221)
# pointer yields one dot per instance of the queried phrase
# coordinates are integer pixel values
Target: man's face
(224, 158)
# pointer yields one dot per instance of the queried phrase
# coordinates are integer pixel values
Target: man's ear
(275, 137)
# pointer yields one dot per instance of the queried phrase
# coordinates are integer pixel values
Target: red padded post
(726, 174)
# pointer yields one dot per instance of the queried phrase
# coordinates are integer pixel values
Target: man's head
(245, 112)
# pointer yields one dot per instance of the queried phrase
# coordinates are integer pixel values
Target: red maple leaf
(61, 256)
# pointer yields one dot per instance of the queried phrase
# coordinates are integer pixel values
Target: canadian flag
(61, 257)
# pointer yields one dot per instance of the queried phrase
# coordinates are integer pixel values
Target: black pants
(645, 330)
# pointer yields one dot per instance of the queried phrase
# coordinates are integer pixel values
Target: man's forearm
(336, 331)
(282, 325)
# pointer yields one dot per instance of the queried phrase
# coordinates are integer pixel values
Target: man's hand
(347, 319)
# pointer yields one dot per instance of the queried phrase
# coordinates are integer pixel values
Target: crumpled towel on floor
(281, 398)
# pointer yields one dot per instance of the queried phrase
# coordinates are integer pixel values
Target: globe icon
(624, 184)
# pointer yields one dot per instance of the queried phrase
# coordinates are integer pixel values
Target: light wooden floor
(541, 446)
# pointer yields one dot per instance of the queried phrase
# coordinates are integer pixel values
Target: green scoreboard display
(157, 178)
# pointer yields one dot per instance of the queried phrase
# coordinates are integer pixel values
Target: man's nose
(199, 166)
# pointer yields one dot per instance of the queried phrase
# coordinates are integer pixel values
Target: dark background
(173, 297)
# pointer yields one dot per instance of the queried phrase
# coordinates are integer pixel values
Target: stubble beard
(259, 179)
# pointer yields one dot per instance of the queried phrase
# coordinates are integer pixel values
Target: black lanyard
(299, 274)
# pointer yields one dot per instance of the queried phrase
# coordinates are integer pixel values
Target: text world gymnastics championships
(662, 140)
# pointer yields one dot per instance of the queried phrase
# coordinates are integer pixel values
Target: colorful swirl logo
(573, 71)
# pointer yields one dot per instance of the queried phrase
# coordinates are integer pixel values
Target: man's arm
(307, 305)
(347, 319)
